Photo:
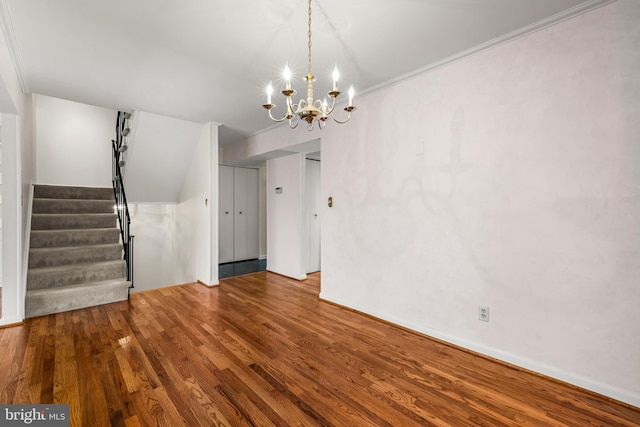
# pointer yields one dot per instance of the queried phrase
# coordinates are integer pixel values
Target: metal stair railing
(124, 218)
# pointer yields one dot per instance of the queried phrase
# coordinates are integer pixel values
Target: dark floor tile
(241, 267)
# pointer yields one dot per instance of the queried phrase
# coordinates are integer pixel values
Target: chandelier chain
(309, 35)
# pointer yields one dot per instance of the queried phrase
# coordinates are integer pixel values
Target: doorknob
(226, 213)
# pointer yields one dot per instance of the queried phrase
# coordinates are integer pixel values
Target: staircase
(75, 256)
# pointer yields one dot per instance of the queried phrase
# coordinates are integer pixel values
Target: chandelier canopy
(310, 110)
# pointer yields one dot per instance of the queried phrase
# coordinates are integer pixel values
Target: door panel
(225, 214)
(240, 214)
(253, 211)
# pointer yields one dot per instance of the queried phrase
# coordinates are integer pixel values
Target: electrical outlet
(483, 313)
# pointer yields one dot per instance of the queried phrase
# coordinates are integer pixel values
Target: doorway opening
(312, 211)
(289, 217)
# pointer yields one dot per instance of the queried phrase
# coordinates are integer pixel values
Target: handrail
(124, 218)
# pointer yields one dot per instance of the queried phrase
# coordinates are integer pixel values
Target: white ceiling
(209, 60)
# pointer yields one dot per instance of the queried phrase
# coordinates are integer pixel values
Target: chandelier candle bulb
(351, 93)
(269, 92)
(287, 77)
(336, 76)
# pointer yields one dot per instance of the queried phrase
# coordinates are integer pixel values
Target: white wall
(73, 143)
(160, 152)
(12, 301)
(198, 210)
(27, 161)
(11, 96)
(506, 179)
(284, 216)
(158, 259)
(12, 110)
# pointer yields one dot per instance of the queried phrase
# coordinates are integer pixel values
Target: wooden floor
(262, 350)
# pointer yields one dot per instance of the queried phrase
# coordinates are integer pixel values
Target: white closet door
(240, 214)
(238, 225)
(252, 217)
(225, 214)
(313, 202)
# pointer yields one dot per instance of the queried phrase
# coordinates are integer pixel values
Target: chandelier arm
(291, 120)
(333, 106)
(348, 110)
(276, 120)
(295, 108)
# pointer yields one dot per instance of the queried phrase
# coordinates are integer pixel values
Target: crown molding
(516, 34)
(12, 44)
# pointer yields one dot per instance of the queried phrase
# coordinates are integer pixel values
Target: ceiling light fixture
(309, 110)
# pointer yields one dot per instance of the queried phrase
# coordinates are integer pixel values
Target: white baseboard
(209, 285)
(300, 277)
(11, 320)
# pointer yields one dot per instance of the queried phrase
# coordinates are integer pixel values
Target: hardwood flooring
(262, 350)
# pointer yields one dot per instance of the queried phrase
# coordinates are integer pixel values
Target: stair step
(41, 302)
(67, 192)
(70, 221)
(50, 257)
(50, 277)
(68, 206)
(62, 238)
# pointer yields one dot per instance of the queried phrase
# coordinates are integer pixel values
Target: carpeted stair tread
(49, 257)
(51, 277)
(46, 301)
(71, 221)
(66, 206)
(68, 192)
(81, 237)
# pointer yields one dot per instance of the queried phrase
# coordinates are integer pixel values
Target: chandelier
(310, 110)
